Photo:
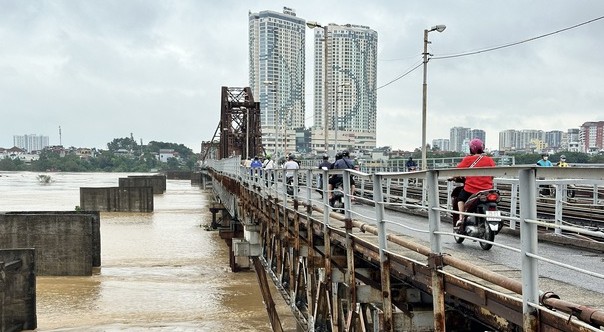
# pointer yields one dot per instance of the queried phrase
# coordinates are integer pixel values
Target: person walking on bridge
(268, 166)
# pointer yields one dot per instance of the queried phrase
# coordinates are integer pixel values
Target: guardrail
(524, 181)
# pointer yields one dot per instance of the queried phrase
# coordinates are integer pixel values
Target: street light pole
(337, 116)
(439, 28)
(313, 25)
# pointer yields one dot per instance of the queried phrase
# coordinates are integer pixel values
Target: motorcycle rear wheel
(458, 239)
(489, 235)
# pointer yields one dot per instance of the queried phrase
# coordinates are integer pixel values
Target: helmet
(476, 146)
(562, 157)
(338, 155)
(345, 154)
(325, 157)
(291, 157)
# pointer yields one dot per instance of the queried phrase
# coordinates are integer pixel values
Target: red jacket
(475, 184)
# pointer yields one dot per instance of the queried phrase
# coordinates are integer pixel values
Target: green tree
(126, 143)
(9, 164)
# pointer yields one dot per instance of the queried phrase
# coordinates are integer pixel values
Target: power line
(401, 76)
(491, 48)
(516, 43)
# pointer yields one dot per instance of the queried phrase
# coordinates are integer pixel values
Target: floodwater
(160, 271)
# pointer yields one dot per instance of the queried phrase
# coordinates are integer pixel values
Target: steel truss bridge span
(342, 272)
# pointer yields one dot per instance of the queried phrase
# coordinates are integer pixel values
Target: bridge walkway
(461, 277)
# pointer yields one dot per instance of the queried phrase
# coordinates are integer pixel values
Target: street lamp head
(313, 24)
(439, 28)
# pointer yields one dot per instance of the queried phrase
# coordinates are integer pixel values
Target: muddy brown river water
(160, 271)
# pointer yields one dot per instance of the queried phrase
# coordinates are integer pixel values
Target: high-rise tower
(277, 65)
(351, 87)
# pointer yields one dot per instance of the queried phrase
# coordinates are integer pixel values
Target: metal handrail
(524, 179)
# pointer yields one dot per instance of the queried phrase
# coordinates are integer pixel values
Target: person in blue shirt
(334, 181)
(544, 190)
(256, 167)
(544, 161)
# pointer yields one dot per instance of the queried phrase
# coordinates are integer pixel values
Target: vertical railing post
(309, 177)
(326, 194)
(388, 185)
(559, 206)
(378, 198)
(514, 204)
(529, 241)
(433, 213)
(435, 263)
(347, 194)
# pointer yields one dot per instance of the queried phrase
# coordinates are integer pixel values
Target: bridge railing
(377, 190)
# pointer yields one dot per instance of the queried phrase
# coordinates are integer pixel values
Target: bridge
(390, 263)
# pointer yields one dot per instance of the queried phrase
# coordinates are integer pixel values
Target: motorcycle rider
(411, 165)
(343, 163)
(562, 162)
(324, 165)
(290, 165)
(473, 184)
(544, 161)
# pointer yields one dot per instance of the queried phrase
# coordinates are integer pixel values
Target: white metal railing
(524, 182)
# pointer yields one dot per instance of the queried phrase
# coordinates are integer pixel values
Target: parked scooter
(481, 227)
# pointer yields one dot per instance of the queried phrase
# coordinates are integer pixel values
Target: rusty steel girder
(239, 127)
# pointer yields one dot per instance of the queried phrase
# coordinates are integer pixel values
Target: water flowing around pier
(160, 271)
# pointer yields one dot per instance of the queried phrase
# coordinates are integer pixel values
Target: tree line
(122, 155)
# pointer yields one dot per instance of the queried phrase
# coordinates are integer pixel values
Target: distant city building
(571, 140)
(507, 140)
(441, 143)
(592, 136)
(457, 137)
(480, 134)
(553, 139)
(351, 86)
(277, 75)
(31, 142)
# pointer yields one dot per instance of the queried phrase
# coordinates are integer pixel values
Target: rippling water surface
(159, 271)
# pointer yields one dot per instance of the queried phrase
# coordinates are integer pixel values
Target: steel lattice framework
(239, 127)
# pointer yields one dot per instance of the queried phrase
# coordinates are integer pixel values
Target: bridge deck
(404, 251)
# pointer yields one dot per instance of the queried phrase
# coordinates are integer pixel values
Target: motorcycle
(481, 227)
(549, 191)
(289, 184)
(337, 198)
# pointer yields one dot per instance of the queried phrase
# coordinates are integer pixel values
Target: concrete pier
(17, 290)
(158, 182)
(63, 241)
(117, 199)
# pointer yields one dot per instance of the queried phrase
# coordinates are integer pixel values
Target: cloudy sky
(105, 69)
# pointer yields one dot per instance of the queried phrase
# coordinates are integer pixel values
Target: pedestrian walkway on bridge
(519, 280)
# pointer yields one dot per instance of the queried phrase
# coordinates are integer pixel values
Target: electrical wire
(490, 49)
(515, 43)
(401, 76)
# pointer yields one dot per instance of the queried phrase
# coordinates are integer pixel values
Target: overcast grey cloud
(104, 69)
